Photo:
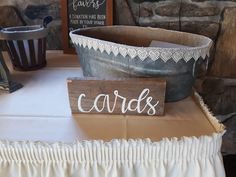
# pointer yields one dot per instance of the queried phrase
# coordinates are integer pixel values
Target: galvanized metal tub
(124, 51)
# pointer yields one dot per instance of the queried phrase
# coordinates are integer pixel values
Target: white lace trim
(142, 53)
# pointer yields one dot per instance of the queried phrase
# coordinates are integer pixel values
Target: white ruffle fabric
(187, 157)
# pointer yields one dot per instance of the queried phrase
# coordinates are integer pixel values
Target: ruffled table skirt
(197, 155)
(187, 157)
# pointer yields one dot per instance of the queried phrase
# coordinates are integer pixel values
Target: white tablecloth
(31, 120)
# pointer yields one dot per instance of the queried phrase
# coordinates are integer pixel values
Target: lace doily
(154, 53)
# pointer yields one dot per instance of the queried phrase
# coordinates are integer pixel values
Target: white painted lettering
(131, 105)
(95, 4)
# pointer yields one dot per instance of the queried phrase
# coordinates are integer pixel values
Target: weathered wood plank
(124, 96)
(225, 56)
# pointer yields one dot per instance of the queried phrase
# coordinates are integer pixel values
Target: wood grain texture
(65, 23)
(225, 56)
(129, 91)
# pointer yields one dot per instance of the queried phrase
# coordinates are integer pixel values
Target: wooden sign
(81, 14)
(124, 96)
